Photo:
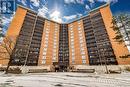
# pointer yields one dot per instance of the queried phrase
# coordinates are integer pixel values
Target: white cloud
(6, 20)
(24, 2)
(80, 1)
(69, 1)
(91, 1)
(35, 3)
(79, 15)
(43, 11)
(74, 1)
(108, 1)
(71, 17)
(55, 16)
(87, 7)
(67, 18)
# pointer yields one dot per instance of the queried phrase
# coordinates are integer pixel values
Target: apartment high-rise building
(85, 41)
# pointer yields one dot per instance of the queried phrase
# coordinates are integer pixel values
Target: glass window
(80, 35)
(79, 28)
(82, 49)
(55, 44)
(72, 50)
(80, 38)
(73, 54)
(46, 35)
(71, 25)
(80, 31)
(72, 46)
(81, 45)
(45, 49)
(54, 55)
(44, 53)
(81, 41)
(73, 62)
(47, 32)
(72, 40)
(44, 57)
(54, 50)
(83, 52)
(46, 45)
(55, 37)
(46, 42)
(83, 57)
(71, 31)
(73, 58)
(46, 38)
(84, 61)
(43, 61)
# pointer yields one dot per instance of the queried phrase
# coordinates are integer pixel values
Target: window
(71, 34)
(83, 57)
(84, 61)
(46, 42)
(54, 55)
(55, 34)
(83, 52)
(55, 44)
(79, 21)
(82, 49)
(72, 43)
(55, 31)
(80, 31)
(72, 37)
(43, 61)
(73, 54)
(44, 53)
(54, 50)
(81, 45)
(80, 35)
(45, 45)
(55, 37)
(46, 38)
(53, 59)
(46, 35)
(81, 41)
(72, 46)
(72, 40)
(44, 57)
(80, 38)
(73, 58)
(47, 32)
(48, 23)
(71, 31)
(72, 50)
(71, 25)
(79, 28)
(73, 62)
(45, 49)
(54, 47)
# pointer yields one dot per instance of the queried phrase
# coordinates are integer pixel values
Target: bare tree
(7, 47)
(121, 26)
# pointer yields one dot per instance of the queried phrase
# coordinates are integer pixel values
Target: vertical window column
(55, 43)
(81, 41)
(72, 43)
(46, 43)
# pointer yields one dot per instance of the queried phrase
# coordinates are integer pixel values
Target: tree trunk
(9, 64)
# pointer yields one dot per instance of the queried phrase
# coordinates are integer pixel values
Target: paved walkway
(65, 80)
